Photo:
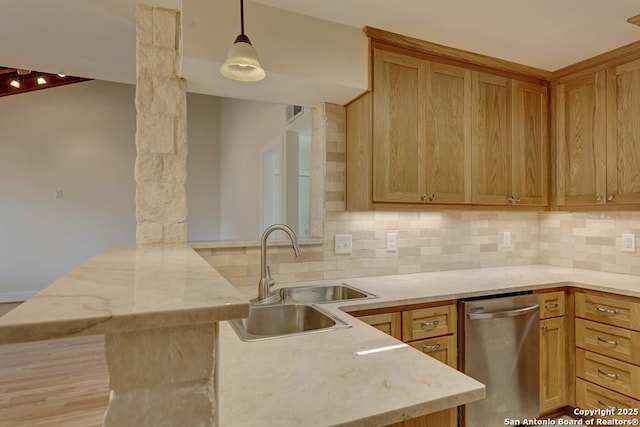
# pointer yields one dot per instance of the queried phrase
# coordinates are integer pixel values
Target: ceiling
(96, 38)
(546, 34)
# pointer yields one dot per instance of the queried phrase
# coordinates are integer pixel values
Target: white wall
(81, 139)
(249, 127)
(204, 126)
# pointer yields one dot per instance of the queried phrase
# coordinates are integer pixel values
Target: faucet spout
(265, 276)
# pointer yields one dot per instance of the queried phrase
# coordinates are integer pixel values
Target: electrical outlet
(628, 243)
(392, 242)
(506, 239)
(343, 244)
(59, 194)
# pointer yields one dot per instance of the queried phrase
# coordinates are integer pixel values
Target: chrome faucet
(265, 280)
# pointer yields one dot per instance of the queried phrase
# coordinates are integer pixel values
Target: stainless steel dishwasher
(499, 346)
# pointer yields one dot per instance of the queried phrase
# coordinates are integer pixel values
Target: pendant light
(242, 61)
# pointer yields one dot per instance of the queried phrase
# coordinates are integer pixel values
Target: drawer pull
(431, 324)
(610, 342)
(607, 374)
(606, 310)
(544, 327)
(601, 403)
(429, 348)
(550, 306)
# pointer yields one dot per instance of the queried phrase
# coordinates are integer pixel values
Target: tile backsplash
(589, 240)
(446, 240)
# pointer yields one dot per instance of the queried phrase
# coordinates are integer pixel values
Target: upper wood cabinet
(581, 140)
(421, 130)
(623, 134)
(448, 134)
(442, 133)
(399, 142)
(510, 153)
(598, 137)
(529, 143)
(491, 139)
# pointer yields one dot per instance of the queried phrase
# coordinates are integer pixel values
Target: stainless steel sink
(279, 320)
(323, 293)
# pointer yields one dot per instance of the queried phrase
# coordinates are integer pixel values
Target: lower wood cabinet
(590, 396)
(552, 364)
(553, 351)
(608, 353)
(389, 323)
(430, 328)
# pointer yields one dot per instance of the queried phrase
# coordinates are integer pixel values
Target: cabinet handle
(610, 197)
(432, 197)
(429, 348)
(606, 310)
(431, 324)
(607, 374)
(423, 197)
(610, 342)
(601, 403)
(598, 198)
(544, 327)
(550, 306)
(513, 199)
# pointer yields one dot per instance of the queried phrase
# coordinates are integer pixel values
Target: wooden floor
(54, 383)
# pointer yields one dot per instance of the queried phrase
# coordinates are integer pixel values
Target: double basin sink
(292, 311)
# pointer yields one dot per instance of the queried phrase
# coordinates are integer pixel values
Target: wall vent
(293, 112)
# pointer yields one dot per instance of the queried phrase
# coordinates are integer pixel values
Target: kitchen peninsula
(159, 308)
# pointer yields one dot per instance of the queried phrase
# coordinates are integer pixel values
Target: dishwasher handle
(506, 313)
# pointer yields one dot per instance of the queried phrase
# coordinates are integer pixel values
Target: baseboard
(16, 296)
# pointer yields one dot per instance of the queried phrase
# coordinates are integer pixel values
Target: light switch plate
(392, 242)
(506, 239)
(628, 243)
(343, 244)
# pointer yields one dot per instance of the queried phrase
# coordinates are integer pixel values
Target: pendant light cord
(242, 17)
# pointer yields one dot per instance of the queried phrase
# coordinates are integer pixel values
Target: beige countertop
(125, 289)
(330, 378)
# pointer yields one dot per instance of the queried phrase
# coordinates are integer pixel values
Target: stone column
(161, 135)
(162, 377)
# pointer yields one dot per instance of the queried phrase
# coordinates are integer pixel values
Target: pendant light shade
(242, 62)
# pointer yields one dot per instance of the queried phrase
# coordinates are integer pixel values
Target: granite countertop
(125, 289)
(326, 379)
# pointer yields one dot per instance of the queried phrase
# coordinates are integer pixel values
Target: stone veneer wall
(161, 123)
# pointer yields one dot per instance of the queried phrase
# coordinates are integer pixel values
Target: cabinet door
(581, 143)
(491, 139)
(552, 364)
(529, 144)
(448, 142)
(389, 323)
(443, 349)
(623, 134)
(399, 127)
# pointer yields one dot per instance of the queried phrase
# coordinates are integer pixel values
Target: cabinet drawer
(440, 348)
(591, 396)
(389, 323)
(613, 374)
(608, 309)
(428, 322)
(552, 304)
(621, 344)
